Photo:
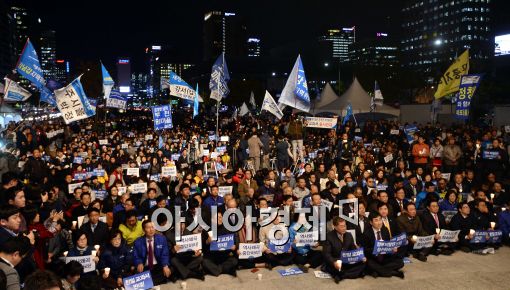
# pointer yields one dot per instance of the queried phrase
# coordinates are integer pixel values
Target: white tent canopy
(358, 98)
(327, 97)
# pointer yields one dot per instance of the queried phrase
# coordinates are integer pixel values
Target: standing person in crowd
(255, 147)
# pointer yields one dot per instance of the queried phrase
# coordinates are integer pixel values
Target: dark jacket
(100, 234)
(119, 260)
(332, 247)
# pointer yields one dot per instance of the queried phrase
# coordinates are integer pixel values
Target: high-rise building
(22, 25)
(434, 32)
(62, 71)
(178, 68)
(336, 43)
(153, 54)
(253, 47)
(8, 43)
(380, 51)
(48, 56)
(224, 32)
(124, 75)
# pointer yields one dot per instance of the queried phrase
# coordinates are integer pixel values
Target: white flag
(73, 103)
(288, 95)
(270, 105)
(14, 92)
(252, 100)
(244, 110)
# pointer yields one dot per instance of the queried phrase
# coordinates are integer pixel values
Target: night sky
(107, 29)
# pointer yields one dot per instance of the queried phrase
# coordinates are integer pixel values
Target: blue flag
(301, 86)
(116, 100)
(219, 79)
(348, 114)
(162, 116)
(195, 103)
(160, 142)
(48, 96)
(107, 82)
(467, 88)
(29, 67)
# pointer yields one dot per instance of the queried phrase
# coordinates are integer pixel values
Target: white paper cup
(184, 285)
(75, 223)
(96, 247)
(145, 217)
(94, 253)
(414, 238)
(210, 233)
(493, 224)
(492, 195)
(438, 230)
(107, 271)
(65, 253)
(471, 232)
(259, 277)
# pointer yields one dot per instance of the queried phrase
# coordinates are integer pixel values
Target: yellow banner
(450, 81)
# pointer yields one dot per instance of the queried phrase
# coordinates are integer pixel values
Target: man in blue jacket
(151, 253)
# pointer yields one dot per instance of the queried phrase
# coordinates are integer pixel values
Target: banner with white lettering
(318, 122)
(352, 257)
(386, 247)
(307, 238)
(223, 243)
(73, 103)
(86, 261)
(446, 236)
(138, 281)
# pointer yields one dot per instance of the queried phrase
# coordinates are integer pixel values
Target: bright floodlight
(438, 42)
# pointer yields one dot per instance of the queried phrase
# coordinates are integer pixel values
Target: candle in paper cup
(259, 277)
(210, 233)
(145, 217)
(471, 232)
(74, 223)
(340, 263)
(65, 253)
(492, 195)
(438, 230)
(414, 238)
(184, 285)
(94, 253)
(107, 271)
(493, 224)
(503, 208)
(96, 247)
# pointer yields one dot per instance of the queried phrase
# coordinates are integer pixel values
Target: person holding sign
(272, 244)
(384, 265)
(219, 257)
(433, 222)
(83, 249)
(410, 223)
(96, 230)
(186, 264)
(150, 253)
(339, 240)
(305, 255)
(115, 261)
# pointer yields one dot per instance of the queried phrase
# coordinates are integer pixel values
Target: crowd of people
(90, 190)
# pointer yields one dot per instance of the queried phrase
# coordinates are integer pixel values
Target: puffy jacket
(119, 260)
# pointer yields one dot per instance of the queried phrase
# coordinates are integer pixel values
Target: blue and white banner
(179, 88)
(489, 236)
(467, 88)
(140, 281)
(289, 94)
(410, 130)
(223, 243)
(276, 246)
(107, 82)
(352, 257)
(386, 247)
(29, 67)
(162, 117)
(270, 105)
(219, 79)
(14, 92)
(301, 85)
(116, 100)
(73, 103)
(290, 272)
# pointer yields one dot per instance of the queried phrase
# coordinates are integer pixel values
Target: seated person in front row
(339, 240)
(386, 265)
(409, 223)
